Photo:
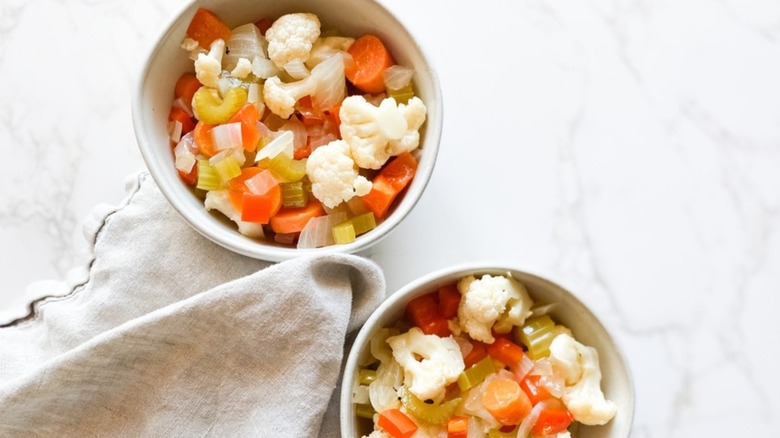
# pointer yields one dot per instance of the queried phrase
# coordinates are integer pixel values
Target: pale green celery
(364, 411)
(285, 168)
(433, 414)
(476, 374)
(294, 195)
(227, 168)
(363, 223)
(366, 376)
(402, 95)
(537, 334)
(210, 109)
(208, 177)
(344, 233)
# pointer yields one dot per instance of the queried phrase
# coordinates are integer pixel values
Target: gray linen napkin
(172, 335)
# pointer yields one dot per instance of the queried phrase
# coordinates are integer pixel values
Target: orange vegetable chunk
(371, 59)
(206, 27)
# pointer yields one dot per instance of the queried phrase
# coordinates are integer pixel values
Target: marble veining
(628, 147)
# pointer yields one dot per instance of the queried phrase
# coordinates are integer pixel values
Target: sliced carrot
(396, 423)
(505, 401)
(553, 419)
(292, 220)
(237, 188)
(182, 117)
(260, 208)
(457, 427)
(206, 27)
(302, 152)
(203, 139)
(400, 170)
(477, 353)
(505, 351)
(423, 312)
(449, 299)
(371, 59)
(333, 113)
(380, 197)
(533, 388)
(248, 116)
(186, 86)
(189, 178)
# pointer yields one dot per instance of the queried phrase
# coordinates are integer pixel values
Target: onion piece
(360, 394)
(330, 84)
(318, 231)
(226, 82)
(523, 368)
(296, 69)
(397, 77)
(184, 154)
(263, 68)
(524, 429)
(245, 42)
(237, 154)
(184, 106)
(227, 136)
(300, 134)
(283, 143)
(544, 309)
(175, 127)
(261, 183)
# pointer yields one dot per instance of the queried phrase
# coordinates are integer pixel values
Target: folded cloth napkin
(172, 335)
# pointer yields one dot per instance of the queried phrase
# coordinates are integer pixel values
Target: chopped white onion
(318, 231)
(189, 44)
(296, 69)
(227, 136)
(330, 86)
(360, 394)
(255, 97)
(326, 47)
(184, 154)
(397, 77)
(175, 127)
(523, 368)
(476, 429)
(300, 135)
(263, 68)
(543, 310)
(261, 183)
(245, 42)
(283, 143)
(184, 106)
(524, 429)
(322, 140)
(194, 54)
(237, 153)
(227, 82)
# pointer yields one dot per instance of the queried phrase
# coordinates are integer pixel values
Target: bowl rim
(470, 268)
(257, 249)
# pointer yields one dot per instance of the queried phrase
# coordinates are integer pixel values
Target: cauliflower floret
(582, 395)
(219, 200)
(334, 176)
(500, 300)
(209, 66)
(291, 36)
(243, 68)
(439, 365)
(325, 85)
(376, 133)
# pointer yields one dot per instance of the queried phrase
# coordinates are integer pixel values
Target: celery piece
(210, 109)
(364, 223)
(366, 376)
(287, 169)
(495, 433)
(364, 411)
(227, 168)
(293, 195)
(476, 374)
(433, 414)
(344, 233)
(537, 334)
(208, 177)
(402, 95)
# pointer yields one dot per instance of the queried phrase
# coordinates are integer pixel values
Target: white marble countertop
(631, 148)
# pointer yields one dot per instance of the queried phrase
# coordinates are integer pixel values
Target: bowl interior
(168, 61)
(616, 378)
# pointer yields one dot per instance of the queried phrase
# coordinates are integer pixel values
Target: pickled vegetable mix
(297, 134)
(478, 358)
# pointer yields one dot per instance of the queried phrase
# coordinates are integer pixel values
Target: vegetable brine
(299, 137)
(476, 359)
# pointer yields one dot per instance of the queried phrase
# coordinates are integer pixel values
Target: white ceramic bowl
(616, 378)
(168, 61)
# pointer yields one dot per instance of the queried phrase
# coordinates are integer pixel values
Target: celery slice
(366, 376)
(476, 374)
(208, 177)
(364, 223)
(293, 195)
(433, 414)
(209, 108)
(364, 411)
(402, 95)
(344, 233)
(286, 168)
(227, 168)
(537, 334)
(495, 433)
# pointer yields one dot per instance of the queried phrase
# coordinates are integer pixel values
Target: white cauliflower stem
(325, 85)
(579, 365)
(291, 37)
(334, 176)
(209, 66)
(440, 362)
(499, 300)
(376, 133)
(219, 200)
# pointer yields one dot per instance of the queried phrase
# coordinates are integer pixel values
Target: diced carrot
(189, 178)
(264, 24)
(237, 188)
(553, 419)
(260, 208)
(182, 117)
(457, 427)
(400, 170)
(206, 27)
(477, 353)
(309, 117)
(203, 139)
(505, 401)
(186, 86)
(333, 113)
(292, 220)
(423, 312)
(302, 152)
(371, 59)
(505, 351)
(396, 423)
(380, 197)
(248, 116)
(534, 389)
(449, 299)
